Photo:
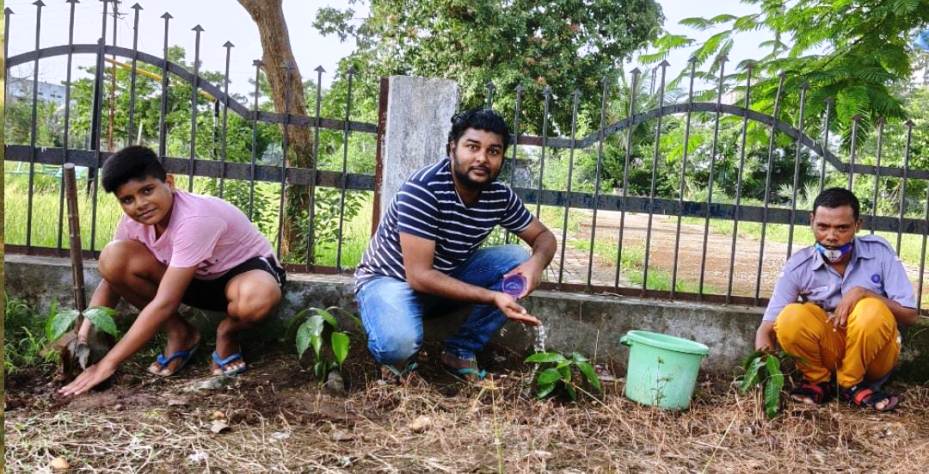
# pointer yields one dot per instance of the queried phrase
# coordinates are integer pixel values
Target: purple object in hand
(514, 285)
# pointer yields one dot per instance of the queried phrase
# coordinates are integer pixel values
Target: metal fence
(658, 241)
(738, 278)
(193, 166)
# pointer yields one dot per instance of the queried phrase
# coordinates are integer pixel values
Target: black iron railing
(679, 240)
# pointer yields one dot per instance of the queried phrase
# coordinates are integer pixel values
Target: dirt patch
(718, 259)
(663, 236)
(276, 418)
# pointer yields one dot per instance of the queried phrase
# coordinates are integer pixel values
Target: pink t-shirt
(204, 232)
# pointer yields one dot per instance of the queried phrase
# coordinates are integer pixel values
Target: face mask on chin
(836, 254)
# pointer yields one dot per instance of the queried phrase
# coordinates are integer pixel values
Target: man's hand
(839, 316)
(513, 310)
(764, 340)
(531, 271)
(93, 376)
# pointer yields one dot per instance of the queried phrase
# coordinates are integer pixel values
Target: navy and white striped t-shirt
(428, 206)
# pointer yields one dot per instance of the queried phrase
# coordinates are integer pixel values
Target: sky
(746, 44)
(226, 20)
(221, 20)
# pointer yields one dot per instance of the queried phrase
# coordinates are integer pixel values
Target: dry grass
(279, 421)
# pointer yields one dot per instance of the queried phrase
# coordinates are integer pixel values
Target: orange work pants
(867, 349)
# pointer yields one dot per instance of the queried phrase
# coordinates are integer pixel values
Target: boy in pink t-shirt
(173, 247)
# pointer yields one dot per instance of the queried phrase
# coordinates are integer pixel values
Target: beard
(461, 175)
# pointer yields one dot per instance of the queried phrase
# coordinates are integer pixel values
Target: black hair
(131, 163)
(837, 197)
(478, 119)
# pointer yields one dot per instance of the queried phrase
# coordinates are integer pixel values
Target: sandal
(394, 376)
(223, 363)
(163, 361)
(864, 396)
(812, 393)
(466, 374)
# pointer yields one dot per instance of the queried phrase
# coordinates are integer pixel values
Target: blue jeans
(392, 312)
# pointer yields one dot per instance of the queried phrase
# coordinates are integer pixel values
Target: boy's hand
(83, 333)
(93, 376)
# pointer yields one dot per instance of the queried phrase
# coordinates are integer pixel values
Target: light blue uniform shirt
(874, 266)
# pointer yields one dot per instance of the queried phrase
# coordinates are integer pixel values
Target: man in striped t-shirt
(425, 252)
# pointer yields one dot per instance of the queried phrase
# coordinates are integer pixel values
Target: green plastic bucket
(662, 369)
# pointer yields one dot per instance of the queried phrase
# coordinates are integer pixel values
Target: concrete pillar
(416, 128)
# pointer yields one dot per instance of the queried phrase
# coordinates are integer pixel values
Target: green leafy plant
(25, 342)
(317, 327)
(763, 370)
(100, 317)
(559, 371)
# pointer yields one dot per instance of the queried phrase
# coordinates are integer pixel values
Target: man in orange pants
(836, 308)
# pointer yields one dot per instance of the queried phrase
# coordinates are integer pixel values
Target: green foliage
(238, 147)
(62, 321)
(316, 327)
(102, 318)
(764, 370)
(563, 44)
(25, 342)
(852, 52)
(559, 371)
(330, 209)
(18, 129)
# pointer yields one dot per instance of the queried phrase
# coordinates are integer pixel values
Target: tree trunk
(288, 96)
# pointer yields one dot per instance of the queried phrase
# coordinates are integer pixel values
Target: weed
(25, 341)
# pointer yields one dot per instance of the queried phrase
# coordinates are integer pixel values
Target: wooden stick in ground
(76, 354)
(74, 229)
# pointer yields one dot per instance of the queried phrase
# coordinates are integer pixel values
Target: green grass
(356, 234)
(24, 343)
(632, 259)
(45, 214)
(632, 267)
(553, 218)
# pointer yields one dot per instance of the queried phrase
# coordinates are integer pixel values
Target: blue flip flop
(184, 356)
(467, 374)
(223, 363)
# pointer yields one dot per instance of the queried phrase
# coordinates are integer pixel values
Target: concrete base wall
(589, 324)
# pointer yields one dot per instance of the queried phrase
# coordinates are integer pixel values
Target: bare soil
(275, 417)
(663, 236)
